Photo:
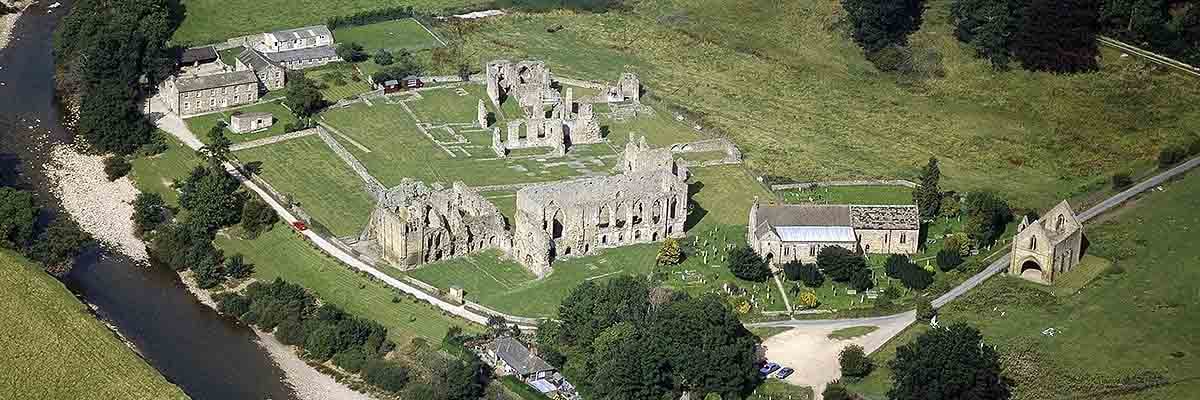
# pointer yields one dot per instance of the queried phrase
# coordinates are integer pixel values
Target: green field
(202, 124)
(337, 81)
(280, 253)
(55, 349)
(208, 21)
(156, 174)
(1131, 325)
(441, 106)
(865, 195)
(391, 35)
(306, 170)
(783, 81)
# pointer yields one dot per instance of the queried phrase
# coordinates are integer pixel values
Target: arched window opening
(557, 231)
(1059, 223)
(605, 217)
(1033, 243)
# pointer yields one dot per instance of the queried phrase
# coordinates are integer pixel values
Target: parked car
(784, 373)
(768, 368)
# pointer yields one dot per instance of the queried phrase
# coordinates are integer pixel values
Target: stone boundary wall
(732, 154)
(372, 185)
(479, 308)
(580, 83)
(273, 139)
(871, 182)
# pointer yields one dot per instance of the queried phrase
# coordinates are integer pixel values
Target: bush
(370, 17)
(232, 304)
(811, 276)
(351, 51)
(236, 267)
(116, 167)
(807, 300)
(746, 264)
(791, 270)
(352, 360)
(669, 253)
(386, 375)
(836, 391)
(383, 57)
(854, 362)
(839, 263)
(149, 211)
(925, 310)
(1171, 155)
(949, 258)
(291, 332)
(1121, 180)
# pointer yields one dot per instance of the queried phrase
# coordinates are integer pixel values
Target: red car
(300, 226)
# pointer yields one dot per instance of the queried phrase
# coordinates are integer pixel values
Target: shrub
(791, 270)
(839, 263)
(383, 57)
(149, 211)
(352, 360)
(949, 258)
(925, 310)
(836, 391)
(237, 268)
(232, 304)
(807, 300)
(116, 167)
(746, 264)
(1121, 180)
(386, 375)
(811, 276)
(670, 253)
(291, 332)
(854, 362)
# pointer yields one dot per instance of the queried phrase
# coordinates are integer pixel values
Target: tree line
(110, 55)
(54, 245)
(370, 17)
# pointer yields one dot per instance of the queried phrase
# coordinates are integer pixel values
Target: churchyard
(1113, 326)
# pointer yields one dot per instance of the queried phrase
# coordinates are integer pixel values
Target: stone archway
(1031, 270)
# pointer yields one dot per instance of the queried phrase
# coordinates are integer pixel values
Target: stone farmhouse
(784, 233)
(1048, 247)
(196, 57)
(414, 224)
(583, 216)
(530, 84)
(297, 38)
(191, 95)
(305, 58)
(271, 75)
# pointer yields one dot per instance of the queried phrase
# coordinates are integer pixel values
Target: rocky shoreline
(9, 21)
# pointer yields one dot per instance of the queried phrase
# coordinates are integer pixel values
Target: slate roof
(805, 215)
(301, 33)
(518, 357)
(255, 60)
(831, 223)
(310, 53)
(253, 115)
(193, 83)
(198, 54)
(823, 234)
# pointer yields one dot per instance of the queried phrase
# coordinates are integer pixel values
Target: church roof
(824, 234)
(831, 223)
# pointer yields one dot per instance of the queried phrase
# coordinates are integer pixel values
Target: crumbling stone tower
(413, 224)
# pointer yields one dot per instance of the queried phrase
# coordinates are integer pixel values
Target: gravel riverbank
(7, 22)
(102, 208)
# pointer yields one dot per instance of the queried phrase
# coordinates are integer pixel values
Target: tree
(746, 264)
(303, 97)
(854, 362)
(212, 196)
(669, 253)
(839, 263)
(1058, 35)
(115, 167)
(465, 379)
(836, 391)
(860, 278)
(257, 217)
(944, 364)
(807, 299)
(352, 360)
(386, 375)
(17, 217)
(987, 214)
(1171, 155)
(925, 310)
(383, 57)
(60, 243)
(403, 65)
(209, 270)
(909, 273)
(949, 258)
(811, 276)
(986, 25)
(149, 211)
(237, 268)
(178, 246)
(351, 51)
(291, 331)
(928, 195)
(218, 144)
(879, 24)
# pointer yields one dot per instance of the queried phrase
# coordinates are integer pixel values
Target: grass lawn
(863, 195)
(306, 170)
(229, 56)
(280, 253)
(783, 81)
(1130, 324)
(208, 21)
(203, 124)
(445, 105)
(520, 389)
(338, 81)
(391, 35)
(852, 332)
(156, 174)
(660, 129)
(55, 349)
(723, 195)
(774, 389)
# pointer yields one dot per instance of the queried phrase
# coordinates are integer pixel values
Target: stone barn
(414, 224)
(241, 122)
(1048, 247)
(784, 233)
(583, 216)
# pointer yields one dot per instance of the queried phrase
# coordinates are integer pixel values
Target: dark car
(768, 368)
(784, 373)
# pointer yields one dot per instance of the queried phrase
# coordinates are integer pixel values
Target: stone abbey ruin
(414, 223)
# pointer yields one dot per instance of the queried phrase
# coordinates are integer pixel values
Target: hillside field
(55, 349)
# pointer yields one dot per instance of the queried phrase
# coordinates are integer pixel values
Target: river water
(207, 355)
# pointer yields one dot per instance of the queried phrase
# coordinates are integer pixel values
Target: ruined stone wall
(414, 224)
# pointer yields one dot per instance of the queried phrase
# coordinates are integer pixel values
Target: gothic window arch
(1059, 222)
(1033, 243)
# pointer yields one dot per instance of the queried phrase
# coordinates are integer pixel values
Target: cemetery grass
(201, 125)
(784, 82)
(280, 253)
(399, 150)
(308, 172)
(392, 35)
(56, 349)
(209, 21)
(1130, 322)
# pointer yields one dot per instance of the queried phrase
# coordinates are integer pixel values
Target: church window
(1058, 224)
(903, 238)
(1033, 243)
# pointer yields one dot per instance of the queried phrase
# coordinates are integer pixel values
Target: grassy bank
(1126, 334)
(55, 349)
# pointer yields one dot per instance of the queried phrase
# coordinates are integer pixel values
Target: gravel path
(102, 208)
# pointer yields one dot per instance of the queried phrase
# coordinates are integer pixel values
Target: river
(207, 355)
